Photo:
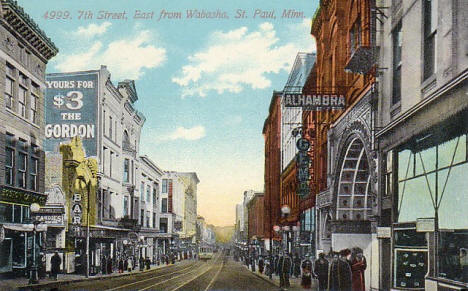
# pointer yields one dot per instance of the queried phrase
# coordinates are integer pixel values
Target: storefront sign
(384, 232)
(51, 218)
(425, 224)
(315, 101)
(71, 106)
(76, 209)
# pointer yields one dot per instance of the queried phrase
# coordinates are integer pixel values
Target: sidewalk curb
(66, 282)
(265, 279)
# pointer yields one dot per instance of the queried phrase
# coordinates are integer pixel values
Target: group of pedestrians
(343, 271)
(339, 271)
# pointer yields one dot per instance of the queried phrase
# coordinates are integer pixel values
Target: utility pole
(87, 231)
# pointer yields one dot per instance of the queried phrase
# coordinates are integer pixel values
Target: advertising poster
(234, 145)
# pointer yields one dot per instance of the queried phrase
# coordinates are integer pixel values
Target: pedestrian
(167, 259)
(275, 265)
(306, 280)
(358, 266)
(296, 265)
(42, 266)
(340, 273)
(141, 263)
(252, 262)
(109, 266)
(321, 271)
(284, 265)
(261, 265)
(148, 262)
(55, 262)
(129, 264)
(121, 265)
(125, 266)
(173, 259)
(104, 265)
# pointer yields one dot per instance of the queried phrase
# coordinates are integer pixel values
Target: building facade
(422, 142)
(272, 137)
(24, 52)
(255, 208)
(344, 149)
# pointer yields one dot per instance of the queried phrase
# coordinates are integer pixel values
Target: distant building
(255, 209)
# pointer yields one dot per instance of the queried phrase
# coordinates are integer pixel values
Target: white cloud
(125, 58)
(93, 29)
(237, 59)
(194, 133)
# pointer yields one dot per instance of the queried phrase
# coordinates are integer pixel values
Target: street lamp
(33, 279)
(286, 210)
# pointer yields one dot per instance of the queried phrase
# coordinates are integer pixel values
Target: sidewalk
(295, 283)
(23, 283)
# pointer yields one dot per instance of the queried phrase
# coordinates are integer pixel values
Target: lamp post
(286, 210)
(33, 279)
(276, 228)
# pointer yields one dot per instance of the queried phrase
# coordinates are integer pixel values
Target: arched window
(353, 187)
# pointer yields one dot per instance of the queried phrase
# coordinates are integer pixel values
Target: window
(154, 219)
(396, 38)
(142, 216)
(355, 35)
(104, 121)
(110, 127)
(430, 31)
(9, 161)
(9, 85)
(33, 174)
(22, 92)
(148, 218)
(104, 153)
(164, 205)
(111, 157)
(148, 193)
(33, 109)
(21, 170)
(125, 206)
(164, 186)
(155, 193)
(163, 224)
(142, 191)
(126, 170)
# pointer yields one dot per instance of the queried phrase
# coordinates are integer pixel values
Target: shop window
(453, 255)
(6, 212)
(19, 248)
(17, 214)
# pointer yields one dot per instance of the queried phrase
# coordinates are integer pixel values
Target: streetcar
(205, 253)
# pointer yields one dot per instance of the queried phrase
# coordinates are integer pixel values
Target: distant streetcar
(205, 253)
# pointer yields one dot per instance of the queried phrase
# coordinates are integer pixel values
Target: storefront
(424, 197)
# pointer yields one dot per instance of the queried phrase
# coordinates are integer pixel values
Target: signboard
(56, 219)
(384, 232)
(302, 144)
(71, 110)
(315, 101)
(425, 224)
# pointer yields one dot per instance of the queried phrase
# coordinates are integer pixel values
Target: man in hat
(340, 273)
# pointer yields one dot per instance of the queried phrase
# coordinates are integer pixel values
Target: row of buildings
(386, 173)
(70, 142)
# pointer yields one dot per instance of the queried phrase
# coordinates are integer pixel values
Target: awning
(25, 227)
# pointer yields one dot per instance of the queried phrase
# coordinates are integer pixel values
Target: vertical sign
(71, 110)
(302, 160)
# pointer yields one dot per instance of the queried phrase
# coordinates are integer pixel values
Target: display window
(432, 182)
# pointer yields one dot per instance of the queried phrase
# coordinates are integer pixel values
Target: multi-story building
(291, 131)
(179, 197)
(205, 232)
(422, 142)
(24, 53)
(87, 104)
(150, 181)
(343, 151)
(255, 209)
(239, 225)
(272, 136)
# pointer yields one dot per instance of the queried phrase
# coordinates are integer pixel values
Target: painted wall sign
(71, 110)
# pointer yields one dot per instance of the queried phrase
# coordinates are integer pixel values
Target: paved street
(220, 273)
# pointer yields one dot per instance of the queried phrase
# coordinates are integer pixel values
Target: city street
(195, 275)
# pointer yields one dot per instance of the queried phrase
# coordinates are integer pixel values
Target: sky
(204, 85)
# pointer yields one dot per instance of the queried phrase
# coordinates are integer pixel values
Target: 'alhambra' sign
(315, 101)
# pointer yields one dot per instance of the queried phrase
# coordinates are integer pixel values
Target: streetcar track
(151, 278)
(159, 283)
(214, 278)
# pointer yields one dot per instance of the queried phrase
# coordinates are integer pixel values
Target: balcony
(324, 199)
(361, 60)
(130, 223)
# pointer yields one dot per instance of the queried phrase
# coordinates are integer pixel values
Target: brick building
(272, 135)
(24, 53)
(255, 209)
(344, 160)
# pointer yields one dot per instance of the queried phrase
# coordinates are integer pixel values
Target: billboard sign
(315, 101)
(71, 110)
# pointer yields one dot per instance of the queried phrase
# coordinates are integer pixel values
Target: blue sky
(204, 85)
